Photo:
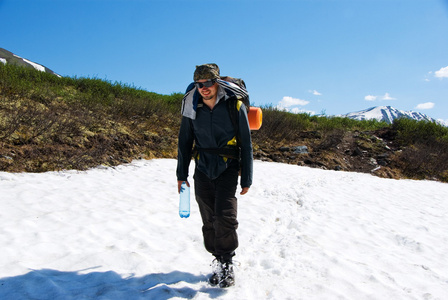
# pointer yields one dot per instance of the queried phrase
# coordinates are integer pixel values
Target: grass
(52, 123)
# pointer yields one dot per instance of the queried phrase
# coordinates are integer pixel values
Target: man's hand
(244, 191)
(179, 183)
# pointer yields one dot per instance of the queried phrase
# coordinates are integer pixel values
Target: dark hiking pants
(218, 208)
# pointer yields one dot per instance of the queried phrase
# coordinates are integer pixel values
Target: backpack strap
(226, 151)
(233, 107)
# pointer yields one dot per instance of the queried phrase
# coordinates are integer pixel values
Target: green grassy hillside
(50, 123)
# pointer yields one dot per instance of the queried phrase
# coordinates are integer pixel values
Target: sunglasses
(207, 84)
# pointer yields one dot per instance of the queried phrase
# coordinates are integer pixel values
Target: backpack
(240, 94)
(232, 104)
(233, 108)
(239, 82)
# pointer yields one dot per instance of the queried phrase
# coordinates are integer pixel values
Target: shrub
(49, 123)
(411, 131)
(282, 126)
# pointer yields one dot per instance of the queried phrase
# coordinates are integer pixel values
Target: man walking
(215, 121)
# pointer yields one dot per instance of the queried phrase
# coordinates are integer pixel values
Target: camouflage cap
(206, 71)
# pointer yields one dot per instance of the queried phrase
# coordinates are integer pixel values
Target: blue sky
(319, 56)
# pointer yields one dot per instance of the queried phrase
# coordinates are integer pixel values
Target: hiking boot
(217, 273)
(227, 276)
(214, 279)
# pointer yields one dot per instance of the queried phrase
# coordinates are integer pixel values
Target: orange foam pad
(255, 117)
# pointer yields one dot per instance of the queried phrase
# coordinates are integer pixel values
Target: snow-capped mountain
(7, 57)
(387, 114)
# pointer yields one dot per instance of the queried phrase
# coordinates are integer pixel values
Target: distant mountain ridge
(387, 114)
(7, 57)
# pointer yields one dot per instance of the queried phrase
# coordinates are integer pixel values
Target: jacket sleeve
(246, 148)
(184, 149)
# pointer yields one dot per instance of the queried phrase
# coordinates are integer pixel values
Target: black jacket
(214, 129)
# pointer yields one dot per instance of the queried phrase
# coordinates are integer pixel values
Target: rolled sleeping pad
(255, 117)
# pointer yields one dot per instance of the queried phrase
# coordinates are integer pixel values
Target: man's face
(208, 93)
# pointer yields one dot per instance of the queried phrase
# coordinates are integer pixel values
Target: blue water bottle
(184, 203)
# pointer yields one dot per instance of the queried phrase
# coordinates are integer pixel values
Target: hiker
(222, 149)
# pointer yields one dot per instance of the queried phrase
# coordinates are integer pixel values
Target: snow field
(115, 233)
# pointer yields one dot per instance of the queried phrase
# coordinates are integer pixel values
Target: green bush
(412, 131)
(285, 126)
